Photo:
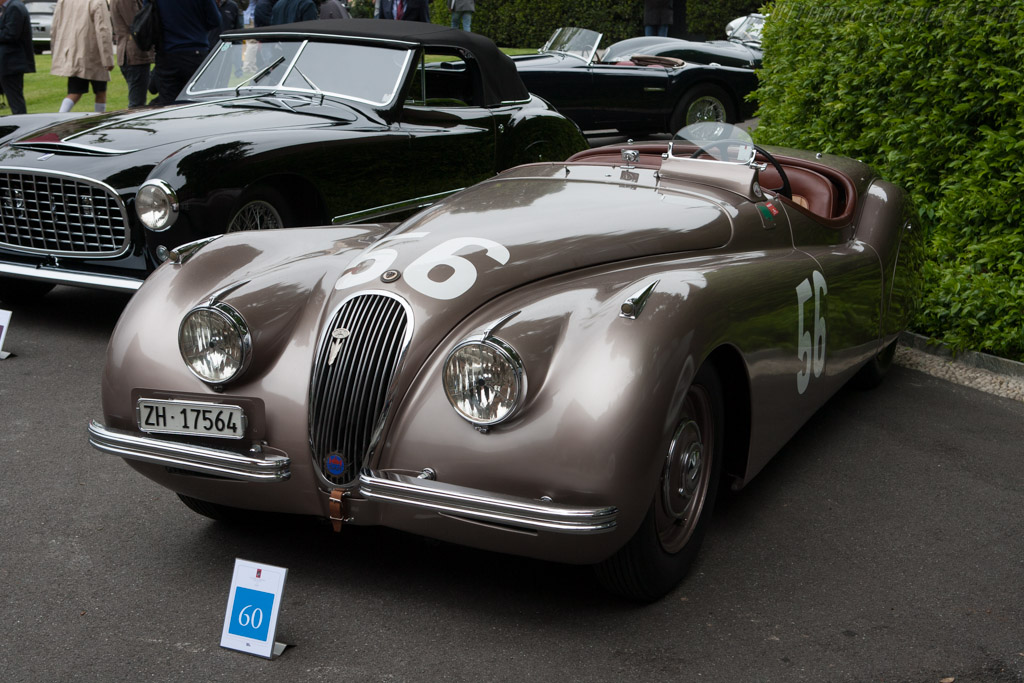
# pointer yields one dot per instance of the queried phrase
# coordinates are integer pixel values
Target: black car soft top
(501, 82)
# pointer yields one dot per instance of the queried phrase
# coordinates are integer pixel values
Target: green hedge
(929, 92)
(709, 17)
(528, 23)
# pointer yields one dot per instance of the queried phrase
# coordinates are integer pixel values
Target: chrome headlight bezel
(156, 205)
(504, 352)
(236, 324)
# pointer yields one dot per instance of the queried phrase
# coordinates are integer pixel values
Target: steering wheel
(786, 191)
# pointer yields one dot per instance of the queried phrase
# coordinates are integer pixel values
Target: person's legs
(137, 78)
(467, 20)
(99, 91)
(173, 71)
(76, 88)
(456, 17)
(663, 30)
(14, 90)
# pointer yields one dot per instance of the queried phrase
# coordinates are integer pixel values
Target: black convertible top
(501, 82)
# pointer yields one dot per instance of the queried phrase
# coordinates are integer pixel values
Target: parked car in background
(40, 13)
(634, 91)
(282, 126)
(742, 47)
(564, 361)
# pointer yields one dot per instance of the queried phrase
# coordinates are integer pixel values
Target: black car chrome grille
(352, 376)
(61, 215)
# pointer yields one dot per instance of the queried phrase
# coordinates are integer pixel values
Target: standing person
(412, 10)
(462, 12)
(17, 57)
(133, 61)
(261, 15)
(185, 25)
(333, 9)
(290, 11)
(230, 17)
(383, 9)
(657, 17)
(82, 44)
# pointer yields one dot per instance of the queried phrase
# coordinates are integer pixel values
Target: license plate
(186, 417)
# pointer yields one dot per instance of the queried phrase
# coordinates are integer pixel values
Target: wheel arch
(732, 373)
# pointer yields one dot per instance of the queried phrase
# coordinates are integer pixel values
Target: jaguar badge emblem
(337, 337)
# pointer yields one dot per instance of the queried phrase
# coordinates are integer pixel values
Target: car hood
(521, 227)
(125, 132)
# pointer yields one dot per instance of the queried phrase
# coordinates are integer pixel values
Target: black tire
(220, 513)
(872, 374)
(18, 291)
(660, 553)
(702, 103)
(261, 208)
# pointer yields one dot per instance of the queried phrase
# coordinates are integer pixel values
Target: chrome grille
(349, 396)
(59, 214)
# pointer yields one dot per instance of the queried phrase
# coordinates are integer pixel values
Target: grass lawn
(43, 92)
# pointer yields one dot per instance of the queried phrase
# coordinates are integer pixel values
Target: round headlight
(484, 380)
(157, 205)
(214, 343)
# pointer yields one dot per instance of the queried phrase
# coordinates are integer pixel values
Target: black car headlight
(156, 204)
(484, 380)
(215, 343)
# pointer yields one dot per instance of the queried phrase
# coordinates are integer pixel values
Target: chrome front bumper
(255, 467)
(485, 506)
(71, 277)
(376, 487)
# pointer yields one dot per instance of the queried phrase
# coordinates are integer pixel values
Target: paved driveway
(883, 544)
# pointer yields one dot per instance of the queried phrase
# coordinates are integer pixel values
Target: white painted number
(456, 277)
(245, 618)
(810, 345)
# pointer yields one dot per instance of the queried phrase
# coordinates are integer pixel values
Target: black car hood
(125, 132)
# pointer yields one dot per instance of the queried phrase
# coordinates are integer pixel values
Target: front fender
(603, 396)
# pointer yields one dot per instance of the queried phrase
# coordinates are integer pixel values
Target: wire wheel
(702, 103)
(257, 214)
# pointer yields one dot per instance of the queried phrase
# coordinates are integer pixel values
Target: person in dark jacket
(657, 17)
(383, 9)
(333, 9)
(261, 15)
(17, 57)
(412, 10)
(290, 11)
(185, 26)
(230, 17)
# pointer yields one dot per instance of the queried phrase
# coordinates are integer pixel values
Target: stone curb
(974, 359)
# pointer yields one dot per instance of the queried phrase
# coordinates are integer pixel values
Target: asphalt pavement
(884, 543)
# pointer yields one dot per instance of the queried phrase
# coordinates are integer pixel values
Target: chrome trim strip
(486, 506)
(91, 150)
(386, 209)
(188, 457)
(112, 282)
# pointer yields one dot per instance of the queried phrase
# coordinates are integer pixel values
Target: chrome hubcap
(705, 109)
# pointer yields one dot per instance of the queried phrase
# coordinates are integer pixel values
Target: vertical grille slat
(349, 398)
(60, 215)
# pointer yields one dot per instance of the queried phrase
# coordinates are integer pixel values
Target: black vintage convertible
(634, 86)
(293, 125)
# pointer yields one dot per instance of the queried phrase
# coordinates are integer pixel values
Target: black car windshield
(578, 42)
(362, 73)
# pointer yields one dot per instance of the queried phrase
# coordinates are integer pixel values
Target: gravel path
(1008, 385)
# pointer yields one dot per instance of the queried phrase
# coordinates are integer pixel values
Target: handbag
(146, 29)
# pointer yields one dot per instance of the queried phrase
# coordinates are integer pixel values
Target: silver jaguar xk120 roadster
(566, 361)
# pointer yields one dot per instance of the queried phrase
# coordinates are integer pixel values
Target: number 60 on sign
(253, 605)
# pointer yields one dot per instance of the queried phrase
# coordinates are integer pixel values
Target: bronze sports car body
(563, 362)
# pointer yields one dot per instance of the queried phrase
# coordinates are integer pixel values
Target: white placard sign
(253, 605)
(5, 322)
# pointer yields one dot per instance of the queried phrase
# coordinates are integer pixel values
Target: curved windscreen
(721, 141)
(578, 42)
(356, 72)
